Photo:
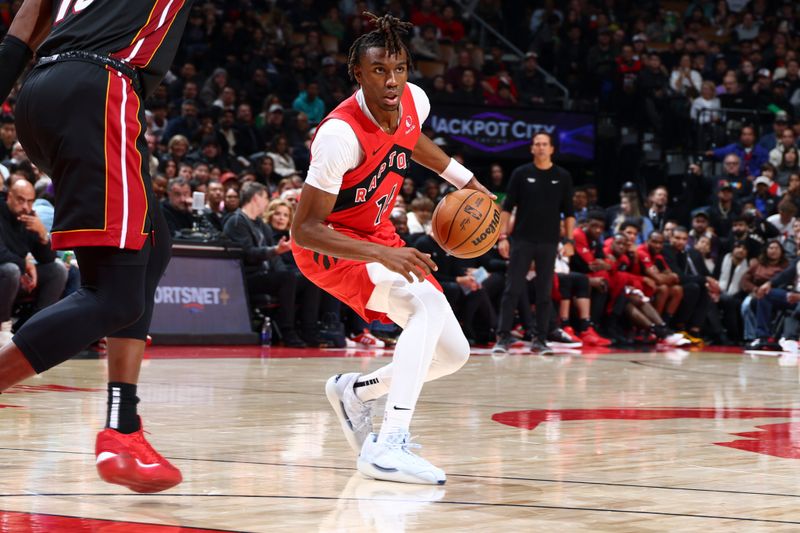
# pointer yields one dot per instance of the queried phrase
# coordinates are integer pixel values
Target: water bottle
(266, 332)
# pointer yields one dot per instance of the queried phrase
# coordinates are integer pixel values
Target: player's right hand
(408, 262)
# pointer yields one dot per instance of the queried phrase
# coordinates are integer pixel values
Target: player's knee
(123, 311)
(460, 353)
(452, 352)
(435, 305)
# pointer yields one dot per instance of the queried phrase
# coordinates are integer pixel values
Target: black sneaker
(563, 339)
(292, 340)
(539, 347)
(764, 344)
(504, 342)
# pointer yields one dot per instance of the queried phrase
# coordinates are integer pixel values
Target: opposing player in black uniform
(80, 118)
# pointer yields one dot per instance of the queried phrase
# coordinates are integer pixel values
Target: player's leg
(61, 330)
(353, 395)
(518, 265)
(452, 351)
(424, 311)
(123, 454)
(545, 256)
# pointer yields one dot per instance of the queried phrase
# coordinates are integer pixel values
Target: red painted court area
(14, 522)
(279, 352)
(778, 440)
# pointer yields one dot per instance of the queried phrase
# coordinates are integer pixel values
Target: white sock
(370, 387)
(395, 420)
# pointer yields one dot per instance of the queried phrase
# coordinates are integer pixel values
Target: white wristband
(457, 174)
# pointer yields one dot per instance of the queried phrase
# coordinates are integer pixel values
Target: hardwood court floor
(662, 441)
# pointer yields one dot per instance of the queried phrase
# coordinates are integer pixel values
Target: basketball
(466, 223)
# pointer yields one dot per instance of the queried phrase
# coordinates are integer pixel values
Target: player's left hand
(476, 185)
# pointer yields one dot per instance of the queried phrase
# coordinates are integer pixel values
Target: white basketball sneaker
(392, 460)
(355, 416)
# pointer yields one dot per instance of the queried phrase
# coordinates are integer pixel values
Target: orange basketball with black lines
(466, 223)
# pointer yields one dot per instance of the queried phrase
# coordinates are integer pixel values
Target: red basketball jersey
(369, 191)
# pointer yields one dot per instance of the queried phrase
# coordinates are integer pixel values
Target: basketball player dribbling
(345, 243)
(81, 120)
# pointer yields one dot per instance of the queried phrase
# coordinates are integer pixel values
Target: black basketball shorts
(83, 125)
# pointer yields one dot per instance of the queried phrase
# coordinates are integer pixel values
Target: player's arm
(310, 231)
(429, 155)
(28, 30)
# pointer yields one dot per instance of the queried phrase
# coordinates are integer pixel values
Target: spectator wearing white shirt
(733, 268)
(282, 156)
(419, 215)
(684, 79)
(792, 243)
(786, 140)
(703, 107)
(784, 218)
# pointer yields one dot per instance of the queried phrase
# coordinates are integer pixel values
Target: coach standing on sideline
(541, 193)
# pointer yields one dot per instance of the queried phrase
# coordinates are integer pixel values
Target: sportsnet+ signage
(507, 132)
(194, 299)
(201, 296)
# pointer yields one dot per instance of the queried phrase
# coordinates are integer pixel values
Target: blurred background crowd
(694, 187)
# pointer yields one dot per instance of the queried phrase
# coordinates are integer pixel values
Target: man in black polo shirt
(541, 192)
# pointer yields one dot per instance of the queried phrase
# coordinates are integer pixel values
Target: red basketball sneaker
(129, 460)
(591, 338)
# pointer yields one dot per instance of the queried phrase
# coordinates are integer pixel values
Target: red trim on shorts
(124, 182)
(149, 38)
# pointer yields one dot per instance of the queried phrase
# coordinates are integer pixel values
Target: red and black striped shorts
(83, 125)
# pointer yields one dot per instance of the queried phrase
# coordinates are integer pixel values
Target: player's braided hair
(388, 34)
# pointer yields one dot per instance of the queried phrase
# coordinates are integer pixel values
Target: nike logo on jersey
(401, 408)
(553, 181)
(531, 180)
(378, 149)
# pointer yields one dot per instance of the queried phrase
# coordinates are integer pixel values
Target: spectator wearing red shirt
(450, 28)
(668, 291)
(624, 275)
(628, 65)
(589, 259)
(424, 15)
(627, 297)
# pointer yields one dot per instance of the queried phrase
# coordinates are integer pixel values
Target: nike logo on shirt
(531, 180)
(378, 149)
(553, 181)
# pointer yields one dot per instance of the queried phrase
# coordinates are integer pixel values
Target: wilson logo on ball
(465, 223)
(490, 229)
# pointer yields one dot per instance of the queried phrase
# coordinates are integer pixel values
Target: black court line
(466, 476)
(650, 364)
(394, 500)
(125, 522)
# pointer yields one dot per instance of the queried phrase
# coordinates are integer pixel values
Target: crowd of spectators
(720, 79)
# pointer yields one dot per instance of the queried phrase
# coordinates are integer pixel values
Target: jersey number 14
(79, 5)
